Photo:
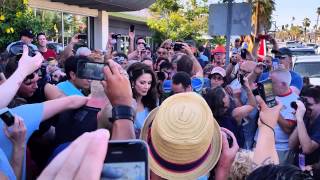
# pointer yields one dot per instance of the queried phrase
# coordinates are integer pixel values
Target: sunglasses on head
(31, 76)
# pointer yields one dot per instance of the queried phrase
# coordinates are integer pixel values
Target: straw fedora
(183, 136)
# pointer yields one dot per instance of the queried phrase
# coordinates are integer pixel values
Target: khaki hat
(184, 138)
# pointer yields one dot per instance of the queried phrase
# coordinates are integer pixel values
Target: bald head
(281, 79)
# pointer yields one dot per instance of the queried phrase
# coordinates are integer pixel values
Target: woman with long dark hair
(143, 83)
(226, 112)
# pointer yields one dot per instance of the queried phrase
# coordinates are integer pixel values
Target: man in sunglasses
(285, 61)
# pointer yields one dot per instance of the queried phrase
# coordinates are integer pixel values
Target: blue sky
(300, 9)
(285, 9)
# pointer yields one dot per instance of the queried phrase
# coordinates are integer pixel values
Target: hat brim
(201, 170)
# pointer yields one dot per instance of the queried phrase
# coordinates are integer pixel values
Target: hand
(27, 64)
(17, 134)
(227, 153)
(131, 35)
(301, 110)
(187, 49)
(246, 83)
(77, 101)
(268, 115)
(75, 39)
(83, 159)
(116, 85)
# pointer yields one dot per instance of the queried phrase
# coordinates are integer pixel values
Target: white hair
(282, 75)
(83, 51)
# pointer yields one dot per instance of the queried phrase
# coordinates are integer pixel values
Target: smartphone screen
(82, 36)
(126, 160)
(7, 118)
(90, 70)
(275, 64)
(266, 93)
(131, 28)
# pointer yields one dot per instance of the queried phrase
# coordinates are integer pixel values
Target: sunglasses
(217, 77)
(141, 43)
(161, 52)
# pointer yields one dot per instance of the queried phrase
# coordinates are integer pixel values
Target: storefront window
(63, 25)
(54, 20)
(74, 24)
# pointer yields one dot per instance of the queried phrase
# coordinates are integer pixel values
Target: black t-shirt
(313, 130)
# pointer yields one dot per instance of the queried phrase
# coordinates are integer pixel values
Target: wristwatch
(122, 112)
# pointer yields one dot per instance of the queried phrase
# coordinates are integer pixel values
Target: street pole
(229, 26)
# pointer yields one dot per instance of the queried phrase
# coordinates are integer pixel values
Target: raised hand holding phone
(17, 132)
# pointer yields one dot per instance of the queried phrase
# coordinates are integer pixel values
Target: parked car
(308, 66)
(302, 51)
(293, 44)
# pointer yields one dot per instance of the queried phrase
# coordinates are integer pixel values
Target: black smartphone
(177, 47)
(243, 53)
(126, 160)
(241, 76)
(7, 118)
(230, 140)
(265, 91)
(131, 28)
(82, 36)
(90, 70)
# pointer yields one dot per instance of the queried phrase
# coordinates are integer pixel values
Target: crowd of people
(202, 115)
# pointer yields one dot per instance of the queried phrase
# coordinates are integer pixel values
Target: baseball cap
(218, 49)
(219, 70)
(282, 51)
(27, 32)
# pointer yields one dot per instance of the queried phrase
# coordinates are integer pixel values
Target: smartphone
(82, 36)
(243, 53)
(177, 47)
(126, 160)
(7, 118)
(241, 80)
(265, 91)
(131, 28)
(275, 64)
(90, 70)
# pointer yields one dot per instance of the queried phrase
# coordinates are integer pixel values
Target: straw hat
(183, 136)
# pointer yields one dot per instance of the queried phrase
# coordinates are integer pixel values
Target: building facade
(93, 18)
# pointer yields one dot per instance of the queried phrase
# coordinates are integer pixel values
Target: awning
(110, 5)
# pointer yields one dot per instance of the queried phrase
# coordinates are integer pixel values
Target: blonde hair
(242, 165)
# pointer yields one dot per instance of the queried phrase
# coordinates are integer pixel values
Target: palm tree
(306, 23)
(261, 15)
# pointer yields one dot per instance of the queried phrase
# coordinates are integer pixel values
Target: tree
(261, 14)
(15, 16)
(173, 20)
(306, 23)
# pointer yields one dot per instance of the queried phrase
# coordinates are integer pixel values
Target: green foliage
(173, 20)
(14, 17)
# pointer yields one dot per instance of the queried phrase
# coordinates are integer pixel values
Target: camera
(177, 46)
(17, 49)
(115, 36)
